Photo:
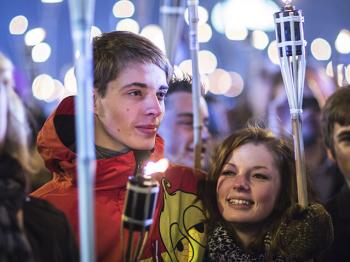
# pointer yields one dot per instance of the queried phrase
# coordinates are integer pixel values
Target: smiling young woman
(255, 215)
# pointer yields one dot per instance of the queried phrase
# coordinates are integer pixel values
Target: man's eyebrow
(185, 115)
(143, 85)
(164, 88)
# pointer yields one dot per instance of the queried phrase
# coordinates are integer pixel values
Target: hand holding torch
(291, 49)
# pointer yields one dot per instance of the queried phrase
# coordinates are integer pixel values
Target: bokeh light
(342, 43)
(207, 62)
(220, 81)
(43, 87)
(273, 53)
(34, 36)
(70, 81)
(18, 25)
(204, 33)
(128, 24)
(155, 34)
(321, 49)
(260, 39)
(41, 52)
(123, 9)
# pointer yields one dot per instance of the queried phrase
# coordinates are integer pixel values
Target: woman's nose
(241, 183)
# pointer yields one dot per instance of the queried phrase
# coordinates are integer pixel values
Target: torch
(172, 21)
(81, 14)
(194, 47)
(139, 207)
(291, 49)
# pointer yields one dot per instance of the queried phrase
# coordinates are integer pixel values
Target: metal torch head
(289, 31)
(140, 203)
(291, 51)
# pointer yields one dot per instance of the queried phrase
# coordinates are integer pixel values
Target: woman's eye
(260, 176)
(228, 173)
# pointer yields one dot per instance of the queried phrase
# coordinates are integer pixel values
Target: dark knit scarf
(223, 248)
(13, 244)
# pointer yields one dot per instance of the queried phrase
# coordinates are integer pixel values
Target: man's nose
(205, 133)
(154, 106)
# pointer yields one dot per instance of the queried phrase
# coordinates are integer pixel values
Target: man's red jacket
(178, 232)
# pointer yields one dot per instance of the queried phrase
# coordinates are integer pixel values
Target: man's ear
(330, 155)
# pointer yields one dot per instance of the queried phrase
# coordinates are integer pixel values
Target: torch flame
(156, 167)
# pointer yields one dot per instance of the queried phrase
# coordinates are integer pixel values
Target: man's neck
(102, 152)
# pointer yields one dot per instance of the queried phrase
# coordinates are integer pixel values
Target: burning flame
(156, 167)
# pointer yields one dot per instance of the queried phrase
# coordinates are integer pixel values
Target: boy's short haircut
(336, 110)
(114, 51)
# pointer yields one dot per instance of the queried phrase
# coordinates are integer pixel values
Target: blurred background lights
(347, 74)
(205, 82)
(329, 69)
(202, 15)
(321, 49)
(95, 31)
(186, 66)
(43, 87)
(70, 81)
(51, 1)
(342, 43)
(252, 14)
(237, 85)
(155, 34)
(272, 53)
(58, 92)
(340, 75)
(128, 24)
(236, 32)
(260, 39)
(204, 33)
(18, 25)
(123, 9)
(41, 52)
(207, 62)
(34, 36)
(220, 81)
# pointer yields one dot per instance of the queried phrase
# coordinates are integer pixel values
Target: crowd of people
(242, 206)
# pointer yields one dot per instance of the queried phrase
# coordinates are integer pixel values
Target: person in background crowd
(323, 176)
(255, 216)
(31, 229)
(336, 135)
(177, 125)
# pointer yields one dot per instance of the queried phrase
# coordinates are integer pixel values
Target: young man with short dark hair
(336, 134)
(130, 83)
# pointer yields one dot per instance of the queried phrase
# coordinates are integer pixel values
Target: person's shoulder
(41, 209)
(180, 177)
